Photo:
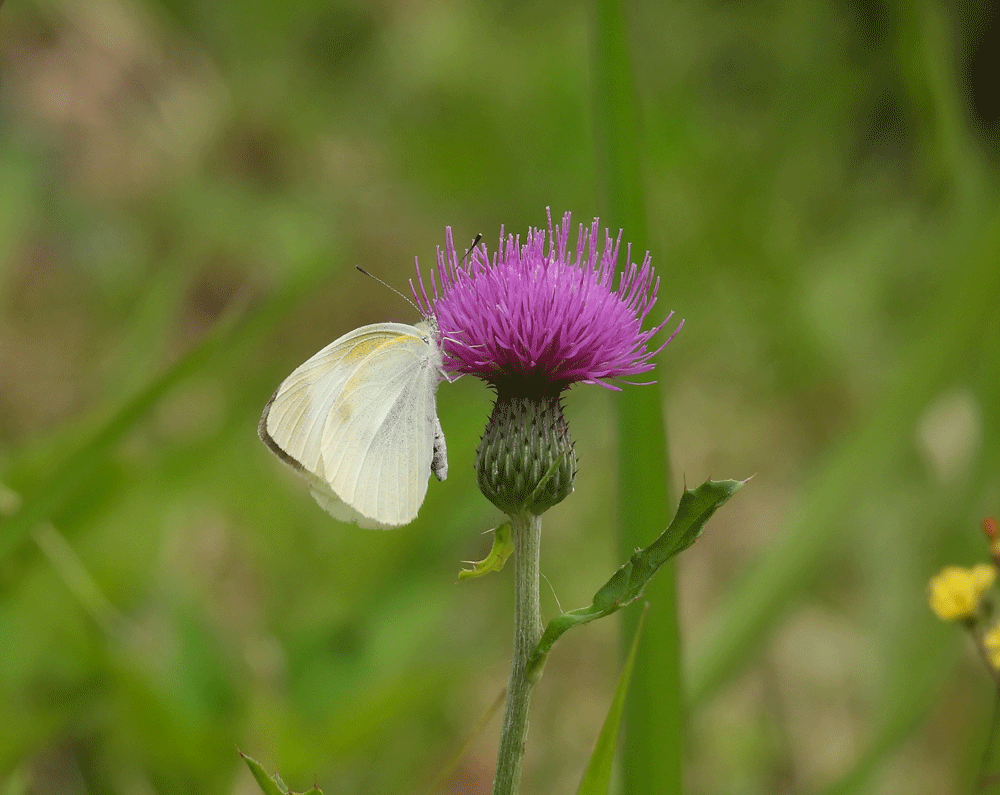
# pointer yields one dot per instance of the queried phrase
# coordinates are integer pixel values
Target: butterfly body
(359, 421)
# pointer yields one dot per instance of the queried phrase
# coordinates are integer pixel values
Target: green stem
(527, 632)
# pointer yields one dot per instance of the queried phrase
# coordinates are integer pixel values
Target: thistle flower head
(531, 321)
(538, 317)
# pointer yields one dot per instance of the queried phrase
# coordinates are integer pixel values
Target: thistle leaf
(626, 585)
(271, 785)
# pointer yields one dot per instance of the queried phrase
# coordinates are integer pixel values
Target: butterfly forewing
(296, 416)
(358, 420)
(378, 442)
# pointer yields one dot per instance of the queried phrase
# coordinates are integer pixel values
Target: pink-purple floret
(541, 315)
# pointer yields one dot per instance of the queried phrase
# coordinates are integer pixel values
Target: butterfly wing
(358, 420)
(378, 442)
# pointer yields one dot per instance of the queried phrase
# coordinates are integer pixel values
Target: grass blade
(644, 469)
(597, 777)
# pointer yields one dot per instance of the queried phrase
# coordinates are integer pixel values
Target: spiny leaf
(626, 585)
(271, 785)
(268, 785)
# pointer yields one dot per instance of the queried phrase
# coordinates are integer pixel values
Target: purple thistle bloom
(543, 319)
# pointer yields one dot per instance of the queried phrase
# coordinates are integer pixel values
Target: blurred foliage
(184, 188)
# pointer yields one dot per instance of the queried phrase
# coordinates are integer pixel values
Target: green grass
(654, 726)
(185, 188)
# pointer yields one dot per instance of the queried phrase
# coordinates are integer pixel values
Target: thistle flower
(532, 321)
(536, 320)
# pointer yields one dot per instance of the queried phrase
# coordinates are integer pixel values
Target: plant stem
(527, 632)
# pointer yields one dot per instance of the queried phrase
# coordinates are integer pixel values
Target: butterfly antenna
(384, 284)
(475, 243)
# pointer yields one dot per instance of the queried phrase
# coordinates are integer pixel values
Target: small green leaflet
(271, 785)
(503, 545)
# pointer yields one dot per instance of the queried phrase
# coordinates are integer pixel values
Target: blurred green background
(185, 187)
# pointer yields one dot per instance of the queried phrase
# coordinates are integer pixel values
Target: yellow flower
(991, 642)
(954, 594)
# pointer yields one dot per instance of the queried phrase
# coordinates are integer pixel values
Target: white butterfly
(358, 420)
